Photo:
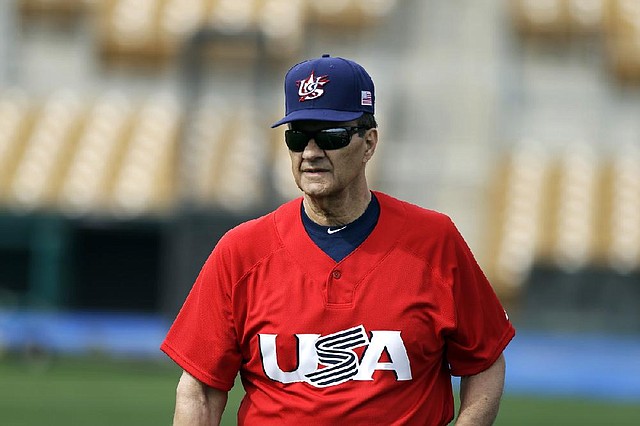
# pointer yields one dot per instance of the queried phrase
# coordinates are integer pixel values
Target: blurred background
(133, 134)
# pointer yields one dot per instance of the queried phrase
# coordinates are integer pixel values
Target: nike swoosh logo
(333, 231)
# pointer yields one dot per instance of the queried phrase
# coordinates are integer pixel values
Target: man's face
(322, 173)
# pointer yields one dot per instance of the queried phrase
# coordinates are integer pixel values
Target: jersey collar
(363, 260)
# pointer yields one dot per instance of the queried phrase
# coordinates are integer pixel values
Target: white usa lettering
(330, 360)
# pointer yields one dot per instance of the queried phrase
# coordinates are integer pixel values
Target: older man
(345, 305)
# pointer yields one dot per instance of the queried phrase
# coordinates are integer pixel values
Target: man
(345, 305)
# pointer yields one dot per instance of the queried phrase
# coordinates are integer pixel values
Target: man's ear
(371, 142)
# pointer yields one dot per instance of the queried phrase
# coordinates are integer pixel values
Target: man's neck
(336, 210)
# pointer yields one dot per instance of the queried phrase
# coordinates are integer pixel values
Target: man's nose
(312, 150)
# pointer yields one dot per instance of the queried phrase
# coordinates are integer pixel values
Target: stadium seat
(540, 17)
(178, 19)
(129, 28)
(95, 160)
(234, 16)
(623, 16)
(623, 39)
(559, 17)
(586, 16)
(47, 152)
(14, 121)
(341, 14)
(145, 181)
(155, 29)
(282, 23)
(624, 229)
(205, 144)
(575, 213)
(108, 156)
(518, 213)
(241, 172)
(222, 164)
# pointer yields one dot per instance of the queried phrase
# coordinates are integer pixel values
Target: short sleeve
(202, 339)
(482, 327)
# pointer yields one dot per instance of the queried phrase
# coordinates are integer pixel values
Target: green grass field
(100, 391)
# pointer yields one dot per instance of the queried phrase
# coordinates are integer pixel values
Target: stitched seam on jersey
(395, 245)
(290, 256)
(429, 265)
(248, 272)
(338, 306)
(263, 258)
(235, 285)
(419, 257)
(434, 271)
(253, 267)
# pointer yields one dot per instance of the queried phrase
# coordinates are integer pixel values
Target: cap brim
(319, 115)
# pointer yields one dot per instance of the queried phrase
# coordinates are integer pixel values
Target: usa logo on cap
(310, 88)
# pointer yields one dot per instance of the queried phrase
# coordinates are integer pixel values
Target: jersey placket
(340, 289)
(341, 280)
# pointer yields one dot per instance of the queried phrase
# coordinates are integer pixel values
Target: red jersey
(372, 338)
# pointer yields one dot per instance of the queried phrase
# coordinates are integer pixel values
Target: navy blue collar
(339, 241)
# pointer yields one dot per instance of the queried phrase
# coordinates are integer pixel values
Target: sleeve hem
(479, 368)
(190, 368)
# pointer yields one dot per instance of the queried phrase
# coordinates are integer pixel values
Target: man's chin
(315, 190)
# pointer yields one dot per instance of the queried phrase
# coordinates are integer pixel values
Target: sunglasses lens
(296, 140)
(333, 138)
(326, 139)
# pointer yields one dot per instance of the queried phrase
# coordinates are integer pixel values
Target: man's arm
(197, 404)
(480, 395)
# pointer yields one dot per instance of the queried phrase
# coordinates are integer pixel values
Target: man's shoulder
(245, 232)
(428, 234)
(257, 234)
(414, 213)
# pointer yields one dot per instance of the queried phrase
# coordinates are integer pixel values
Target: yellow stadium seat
(349, 14)
(178, 20)
(586, 16)
(624, 229)
(14, 126)
(518, 209)
(206, 144)
(623, 17)
(574, 222)
(48, 149)
(222, 164)
(282, 23)
(145, 182)
(95, 160)
(129, 28)
(242, 186)
(623, 39)
(540, 17)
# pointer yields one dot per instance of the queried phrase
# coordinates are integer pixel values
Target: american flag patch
(366, 98)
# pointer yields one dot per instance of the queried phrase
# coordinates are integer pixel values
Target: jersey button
(336, 274)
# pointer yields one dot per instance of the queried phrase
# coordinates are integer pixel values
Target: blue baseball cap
(327, 89)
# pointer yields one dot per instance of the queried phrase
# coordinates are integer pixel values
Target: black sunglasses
(326, 139)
